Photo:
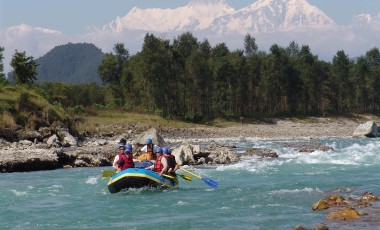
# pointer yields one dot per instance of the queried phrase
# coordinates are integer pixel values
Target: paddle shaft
(208, 181)
(191, 173)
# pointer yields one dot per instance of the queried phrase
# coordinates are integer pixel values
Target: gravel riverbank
(278, 129)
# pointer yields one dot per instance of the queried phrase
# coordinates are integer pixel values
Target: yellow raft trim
(144, 176)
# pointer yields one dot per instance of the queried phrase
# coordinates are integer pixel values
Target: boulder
(30, 135)
(25, 142)
(87, 160)
(320, 205)
(260, 152)
(299, 227)
(184, 154)
(67, 139)
(223, 156)
(307, 147)
(53, 141)
(321, 227)
(212, 154)
(29, 159)
(368, 129)
(151, 133)
(343, 214)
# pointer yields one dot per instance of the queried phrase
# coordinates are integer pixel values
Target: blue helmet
(169, 151)
(121, 145)
(128, 148)
(165, 150)
(149, 141)
(158, 150)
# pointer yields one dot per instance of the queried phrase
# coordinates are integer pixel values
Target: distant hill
(70, 63)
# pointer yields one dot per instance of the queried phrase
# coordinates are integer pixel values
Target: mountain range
(269, 21)
(217, 16)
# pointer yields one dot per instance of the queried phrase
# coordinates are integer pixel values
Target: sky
(76, 20)
(76, 16)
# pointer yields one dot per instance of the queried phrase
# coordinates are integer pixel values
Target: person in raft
(161, 164)
(147, 150)
(124, 158)
(170, 160)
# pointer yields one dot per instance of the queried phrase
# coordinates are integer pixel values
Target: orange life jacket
(148, 155)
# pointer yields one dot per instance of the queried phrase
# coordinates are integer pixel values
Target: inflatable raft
(139, 178)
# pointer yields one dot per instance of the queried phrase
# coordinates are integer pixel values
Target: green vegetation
(25, 68)
(70, 63)
(21, 106)
(191, 81)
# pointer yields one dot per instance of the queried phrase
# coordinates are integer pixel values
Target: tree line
(192, 80)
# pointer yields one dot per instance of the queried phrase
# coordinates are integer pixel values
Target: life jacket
(171, 161)
(149, 149)
(145, 156)
(158, 165)
(148, 155)
(125, 161)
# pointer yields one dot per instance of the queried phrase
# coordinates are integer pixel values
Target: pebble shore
(278, 129)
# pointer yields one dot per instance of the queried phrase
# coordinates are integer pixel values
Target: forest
(191, 80)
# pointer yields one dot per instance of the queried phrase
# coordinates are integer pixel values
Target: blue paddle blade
(210, 182)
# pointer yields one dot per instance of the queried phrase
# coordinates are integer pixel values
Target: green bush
(111, 105)
(98, 106)
(159, 112)
(128, 107)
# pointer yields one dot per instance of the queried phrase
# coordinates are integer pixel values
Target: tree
(250, 46)
(306, 66)
(155, 71)
(25, 68)
(222, 72)
(184, 49)
(339, 83)
(2, 75)
(110, 70)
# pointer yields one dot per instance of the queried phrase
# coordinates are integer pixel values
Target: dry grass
(7, 120)
(103, 120)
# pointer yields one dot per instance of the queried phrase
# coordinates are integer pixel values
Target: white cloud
(35, 41)
(354, 39)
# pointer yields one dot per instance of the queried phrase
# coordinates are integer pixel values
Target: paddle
(189, 178)
(173, 178)
(186, 177)
(208, 181)
(107, 173)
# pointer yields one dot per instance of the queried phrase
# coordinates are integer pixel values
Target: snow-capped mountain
(197, 15)
(218, 16)
(273, 15)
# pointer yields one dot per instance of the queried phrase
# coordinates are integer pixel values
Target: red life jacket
(158, 165)
(125, 161)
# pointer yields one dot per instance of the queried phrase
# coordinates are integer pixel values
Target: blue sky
(74, 16)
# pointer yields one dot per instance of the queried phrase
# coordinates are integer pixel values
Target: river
(252, 194)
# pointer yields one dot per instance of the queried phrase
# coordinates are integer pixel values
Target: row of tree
(192, 80)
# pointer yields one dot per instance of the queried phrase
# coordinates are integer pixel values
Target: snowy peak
(273, 15)
(197, 3)
(218, 16)
(197, 15)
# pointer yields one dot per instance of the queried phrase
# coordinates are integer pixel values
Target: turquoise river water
(252, 194)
